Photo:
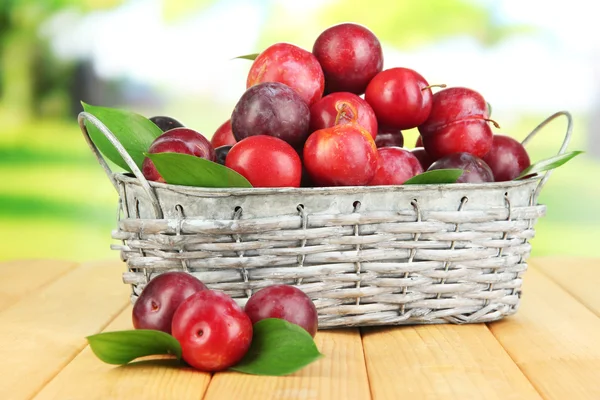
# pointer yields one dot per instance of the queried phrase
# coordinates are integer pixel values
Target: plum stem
(342, 109)
(440, 85)
(493, 122)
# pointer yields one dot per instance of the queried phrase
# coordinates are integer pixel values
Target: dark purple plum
(424, 158)
(389, 137)
(274, 109)
(166, 123)
(221, 154)
(284, 302)
(475, 169)
(157, 303)
(507, 158)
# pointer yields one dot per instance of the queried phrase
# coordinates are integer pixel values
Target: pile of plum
(334, 117)
(213, 330)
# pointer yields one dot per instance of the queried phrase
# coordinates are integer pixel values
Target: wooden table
(550, 349)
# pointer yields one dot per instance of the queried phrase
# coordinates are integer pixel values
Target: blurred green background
(175, 58)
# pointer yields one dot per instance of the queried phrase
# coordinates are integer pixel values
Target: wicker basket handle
(563, 147)
(83, 116)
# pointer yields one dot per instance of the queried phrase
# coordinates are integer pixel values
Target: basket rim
(128, 178)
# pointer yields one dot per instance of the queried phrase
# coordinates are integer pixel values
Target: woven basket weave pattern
(410, 254)
(366, 256)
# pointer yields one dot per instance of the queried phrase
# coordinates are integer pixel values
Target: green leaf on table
(251, 57)
(548, 164)
(278, 348)
(135, 132)
(188, 170)
(121, 347)
(435, 176)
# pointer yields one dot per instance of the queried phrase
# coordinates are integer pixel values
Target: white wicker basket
(385, 255)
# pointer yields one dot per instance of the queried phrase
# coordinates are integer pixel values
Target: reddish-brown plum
(454, 104)
(424, 158)
(214, 332)
(351, 55)
(469, 136)
(292, 66)
(389, 137)
(284, 302)
(266, 161)
(343, 155)
(342, 108)
(458, 122)
(475, 170)
(507, 158)
(400, 97)
(395, 167)
(223, 136)
(177, 140)
(166, 123)
(157, 303)
(273, 109)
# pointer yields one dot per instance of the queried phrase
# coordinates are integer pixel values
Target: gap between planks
(88, 377)
(21, 278)
(68, 362)
(341, 374)
(441, 361)
(47, 328)
(336, 376)
(579, 276)
(546, 386)
(553, 340)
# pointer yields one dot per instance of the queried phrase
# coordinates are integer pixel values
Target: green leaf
(435, 176)
(548, 164)
(188, 170)
(278, 348)
(248, 56)
(135, 132)
(122, 347)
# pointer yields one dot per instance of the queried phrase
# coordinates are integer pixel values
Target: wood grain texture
(22, 277)
(341, 374)
(44, 331)
(578, 276)
(86, 377)
(554, 339)
(549, 349)
(441, 362)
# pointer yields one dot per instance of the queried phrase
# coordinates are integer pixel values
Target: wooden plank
(86, 377)
(554, 340)
(341, 374)
(441, 362)
(578, 276)
(20, 278)
(44, 331)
